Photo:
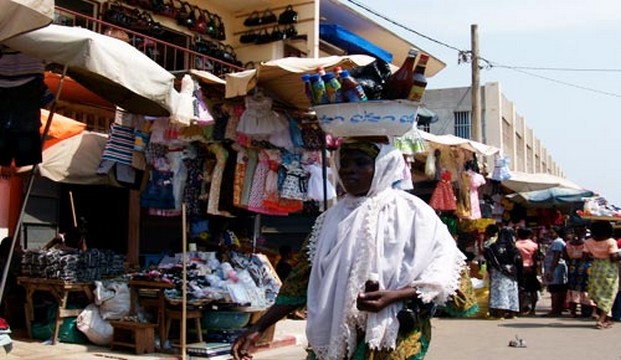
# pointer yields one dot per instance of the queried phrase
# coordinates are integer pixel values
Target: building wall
(502, 126)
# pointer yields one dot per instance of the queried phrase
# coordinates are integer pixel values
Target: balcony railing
(170, 56)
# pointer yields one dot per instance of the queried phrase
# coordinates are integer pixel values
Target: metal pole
(476, 86)
(35, 169)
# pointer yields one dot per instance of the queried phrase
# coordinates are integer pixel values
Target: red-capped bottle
(419, 80)
(399, 84)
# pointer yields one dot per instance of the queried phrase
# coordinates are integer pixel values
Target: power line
(465, 56)
(403, 26)
(563, 82)
(557, 68)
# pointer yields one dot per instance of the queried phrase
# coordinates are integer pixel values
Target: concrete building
(501, 126)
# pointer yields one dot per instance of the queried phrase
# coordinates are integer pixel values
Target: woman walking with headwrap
(504, 266)
(375, 228)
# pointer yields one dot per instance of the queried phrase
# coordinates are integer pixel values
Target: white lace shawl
(389, 232)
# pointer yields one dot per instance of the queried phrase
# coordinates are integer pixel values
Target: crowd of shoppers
(578, 266)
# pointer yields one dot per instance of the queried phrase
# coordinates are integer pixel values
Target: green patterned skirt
(603, 283)
(411, 346)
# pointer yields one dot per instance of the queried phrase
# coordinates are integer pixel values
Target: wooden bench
(136, 335)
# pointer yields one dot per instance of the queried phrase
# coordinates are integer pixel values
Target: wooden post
(75, 219)
(184, 301)
(476, 86)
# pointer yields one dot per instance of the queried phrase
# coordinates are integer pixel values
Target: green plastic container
(225, 320)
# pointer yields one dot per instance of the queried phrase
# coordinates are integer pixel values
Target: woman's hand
(375, 301)
(240, 347)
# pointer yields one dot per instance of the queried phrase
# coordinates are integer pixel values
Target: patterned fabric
(578, 283)
(193, 184)
(216, 180)
(443, 198)
(464, 302)
(411, 346)
(503, 293)
(120, 145)
(578, 273)
(240, 173)
(603, 283)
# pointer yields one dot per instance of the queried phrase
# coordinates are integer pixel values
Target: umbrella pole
(184, 296)
(35, 168)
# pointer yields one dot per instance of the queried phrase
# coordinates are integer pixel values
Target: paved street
(464, 339)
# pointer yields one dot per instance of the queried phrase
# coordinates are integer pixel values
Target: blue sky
(581, 129)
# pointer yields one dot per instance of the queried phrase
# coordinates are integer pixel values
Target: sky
(580, 128)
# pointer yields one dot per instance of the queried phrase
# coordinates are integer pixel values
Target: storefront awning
(352, 43)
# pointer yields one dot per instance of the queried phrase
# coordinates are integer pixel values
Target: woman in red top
(528, 282)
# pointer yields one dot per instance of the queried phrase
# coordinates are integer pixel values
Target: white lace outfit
(390, 232)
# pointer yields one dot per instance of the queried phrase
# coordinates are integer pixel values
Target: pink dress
(476, 180)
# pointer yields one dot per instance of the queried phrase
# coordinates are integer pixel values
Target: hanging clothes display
(476, 181)
(118, 156)
(216, 180)
(501, 169)
(443, 197)
(21, 96)
(258, 118)
(463, 197)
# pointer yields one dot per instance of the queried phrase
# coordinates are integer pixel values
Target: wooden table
(60, 290)
(158, 301)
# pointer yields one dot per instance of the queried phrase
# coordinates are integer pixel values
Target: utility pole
(476, 87)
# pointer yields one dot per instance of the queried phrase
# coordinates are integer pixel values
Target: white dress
(315, 183)
(258, 118)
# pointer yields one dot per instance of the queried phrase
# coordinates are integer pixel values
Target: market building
(502, 126)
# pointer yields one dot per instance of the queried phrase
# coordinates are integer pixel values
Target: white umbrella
(75, 160)
(523, 182)
(111, 68)
(452, 140)
(20, 16)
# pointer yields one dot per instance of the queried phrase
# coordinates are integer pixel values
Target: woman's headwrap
(391, 170)
(368, 148)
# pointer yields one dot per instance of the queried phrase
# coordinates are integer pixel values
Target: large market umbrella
(61, 128)
(449, 140)
(74, 160)
(523, 182)
(552, 196)
(109, 67)
(281, 78)
(20, 16)
(73, 92)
